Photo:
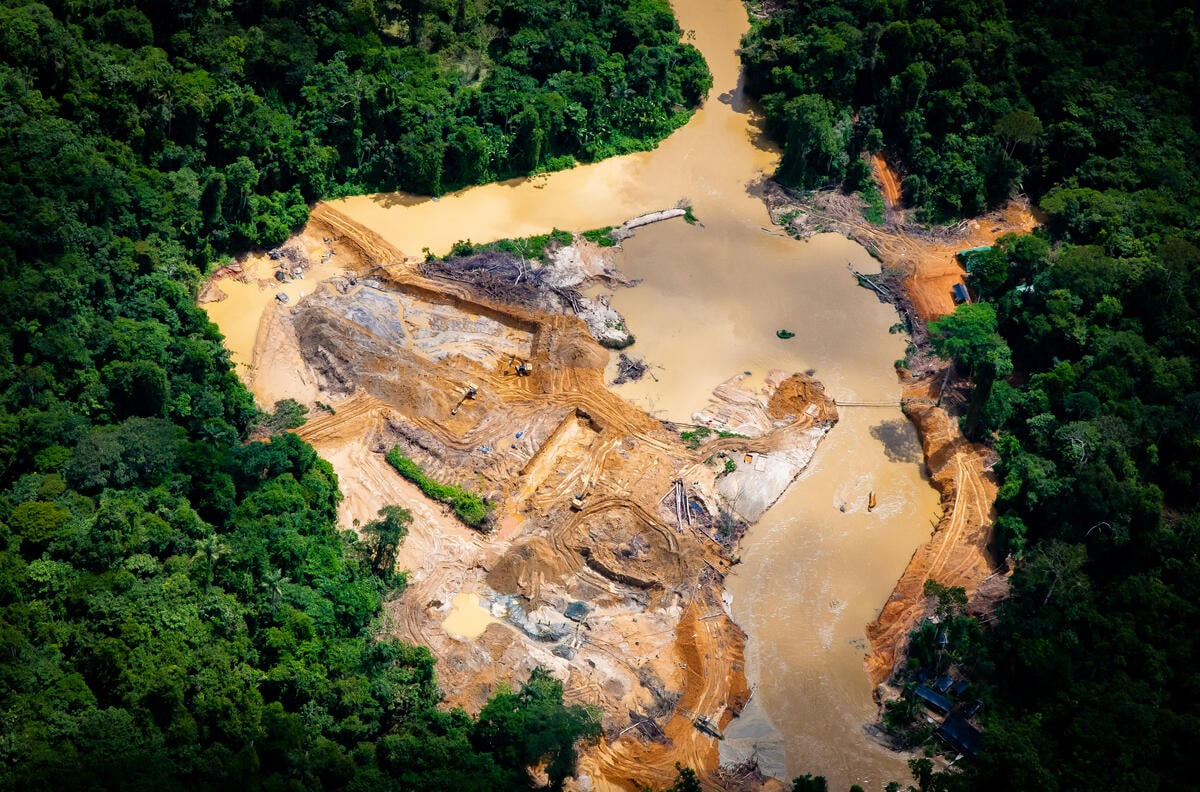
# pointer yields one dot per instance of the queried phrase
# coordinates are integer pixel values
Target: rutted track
(957, 554)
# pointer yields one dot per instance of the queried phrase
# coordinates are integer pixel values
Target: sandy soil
(390, 354)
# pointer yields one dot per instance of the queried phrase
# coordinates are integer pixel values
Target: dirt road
(957, 554)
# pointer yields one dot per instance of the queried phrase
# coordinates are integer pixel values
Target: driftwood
(629, 369)
(652, 217)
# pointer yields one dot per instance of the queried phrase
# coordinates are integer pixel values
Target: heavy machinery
(469, 393)
(521, 368)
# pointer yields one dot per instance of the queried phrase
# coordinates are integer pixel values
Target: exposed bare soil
(889, 185)
(393, 347)
(393, 352)
(957, 554)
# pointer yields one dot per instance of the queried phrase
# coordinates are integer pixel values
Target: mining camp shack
(965, 738)
(932, 699)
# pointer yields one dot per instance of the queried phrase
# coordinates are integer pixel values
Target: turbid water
(468, 617)
(819, 566)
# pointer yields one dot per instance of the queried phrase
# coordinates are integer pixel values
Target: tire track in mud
(629, 762)
(373, 248)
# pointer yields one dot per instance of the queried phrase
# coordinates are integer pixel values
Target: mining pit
(605, 554)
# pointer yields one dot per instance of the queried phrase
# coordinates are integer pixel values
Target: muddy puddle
(820, 564)
(468, 617)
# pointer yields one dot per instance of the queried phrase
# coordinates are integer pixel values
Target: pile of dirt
(796, 395)
(526, 565)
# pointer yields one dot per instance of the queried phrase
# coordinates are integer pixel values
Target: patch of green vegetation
(558, 163)
(600, 236)
(1081, 350)
(468, 507)
(179, 609)
(288, 414)
(617, 344)
(730, 466)
(688, 215)
(693, 437)
(534, 247)
(873, 210)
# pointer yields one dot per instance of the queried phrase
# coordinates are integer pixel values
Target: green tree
(383, 538)
(1018, 127)
(532, 727)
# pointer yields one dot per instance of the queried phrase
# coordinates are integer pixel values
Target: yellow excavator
(469, 393)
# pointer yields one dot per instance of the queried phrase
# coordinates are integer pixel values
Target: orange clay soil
(889, 186)
(957, 553)
(384, 357)
(926, 256)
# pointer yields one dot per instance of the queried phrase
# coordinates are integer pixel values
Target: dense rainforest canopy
(1085, 346)
(177, 608)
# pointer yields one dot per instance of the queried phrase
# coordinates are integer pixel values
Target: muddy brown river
(819, 565)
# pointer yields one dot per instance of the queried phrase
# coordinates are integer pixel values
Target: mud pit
(619, 594)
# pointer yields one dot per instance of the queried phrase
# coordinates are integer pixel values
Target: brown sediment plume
(920, 268)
